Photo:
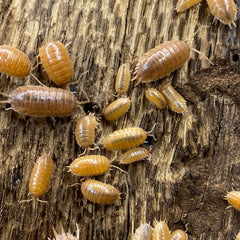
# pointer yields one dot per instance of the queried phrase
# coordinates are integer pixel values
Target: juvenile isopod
(123, 79)
(125, 138)
(14, 62)
(183, 5)
(144, 232)
(41, 101)
(99, 192)
(85, 131)
(224, 10)
(89, 165)
(133, 155)
(174, 100)
(161, 231)
(179, 235)
(233, 198)
(57, 63)
(116, 109)
(161, 61)
(156, 98)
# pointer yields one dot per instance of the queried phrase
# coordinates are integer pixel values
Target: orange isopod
(123, 79)
(233, 198)
(116, 109)
(156, 97)
(125, 138)
(57, 63)
(144, 232)
(99, 192)
(179, 235)
(89, 165)
(174, 100)
(133, 155)
(183, 5)
(40, 176)
(41, 101)
(13, 62)
(224, 10)
(161, 61)
(161, 231)
(85, 130)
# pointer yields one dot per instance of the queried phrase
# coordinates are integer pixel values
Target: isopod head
(144, 232)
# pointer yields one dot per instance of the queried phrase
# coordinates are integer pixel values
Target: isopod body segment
(123, 79)
(13, 62)
(85, 130)
(99, 192)
(144, 232)
(125, 138)
(89, 165)
(116, 109)
(40, 176)
(233, 198)
(161, 61)
(57, 63)
(173, 99)
(41, 101)
(133, 155)
(161, 231)
(183, 5)
(179, 235)
(156, 98)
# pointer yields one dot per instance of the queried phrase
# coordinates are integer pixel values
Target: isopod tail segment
(64, 235)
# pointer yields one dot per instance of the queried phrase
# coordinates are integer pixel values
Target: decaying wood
(195, 159)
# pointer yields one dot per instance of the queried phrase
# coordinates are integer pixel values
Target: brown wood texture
(194, 161)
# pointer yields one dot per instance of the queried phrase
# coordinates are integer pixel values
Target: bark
(194, 161)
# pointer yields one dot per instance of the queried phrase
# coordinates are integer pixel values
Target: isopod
(41, 101)
(14, 62)
(179, 235)
(123, 79)
(161, 231)
(57, 63)
(99, 192)
(161, 61)
(174, 100)
(89, 165)
(133, 155)
(183, 5)
(156, 97)
(116, 109)
(85, 130)
(40, 176)
(125, 138)
(144, 232)
(224, 10)
(64, 235)
(233, 198)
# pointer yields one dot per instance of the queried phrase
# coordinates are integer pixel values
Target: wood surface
(194, 161)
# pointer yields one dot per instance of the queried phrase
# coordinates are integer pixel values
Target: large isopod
(161, 231)
(41, 101)
(144, 232)
(123, 79)
(183, 5)
(99, 192)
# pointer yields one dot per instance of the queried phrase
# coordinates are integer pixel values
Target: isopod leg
(37, 63)
(148, 133)
(5, 94)
(37, 80)
(113, 166)
(5, 101)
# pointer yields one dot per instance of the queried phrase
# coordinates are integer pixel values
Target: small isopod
(174, 100)
(40, 176)
(85, 130)
(123, 79)
(183, 5)
(233, 198)
(161, 61)
(179, 235)
(99, 192)
(13, 62)
(144, 232)
(41, 101)
(116, 109)
(156, 97)
(224, 10)
(161, 231)
(133, 155)
(125, 138)
(57, 63)
(89, 165)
